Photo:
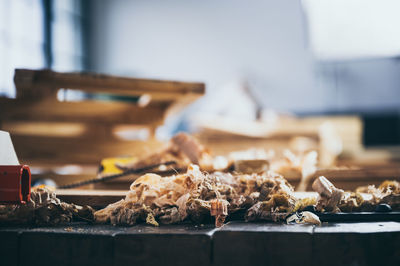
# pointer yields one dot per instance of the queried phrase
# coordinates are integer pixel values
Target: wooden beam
(94, 198)
(27, 80)
(87, 111)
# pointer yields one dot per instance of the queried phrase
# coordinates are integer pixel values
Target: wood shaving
(44, 208)
(198, 196)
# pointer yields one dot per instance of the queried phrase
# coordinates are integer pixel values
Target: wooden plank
(104, 197)
(94, 198)
(351, 178)
(363, 174)
(28, 80)
(347, 126)
(223, 146)
(372, 156)
(123, 185)
(52, 150)
(86, 112)
(46, 131)
(226, 133)
(91, 131)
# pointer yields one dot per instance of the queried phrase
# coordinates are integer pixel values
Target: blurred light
(347, 29)
(129, 133)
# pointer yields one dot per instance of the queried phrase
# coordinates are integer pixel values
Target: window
(22, 39)
(352, 29)
(67, 35)
(39, 34)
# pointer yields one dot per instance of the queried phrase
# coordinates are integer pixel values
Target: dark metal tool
(111, 177)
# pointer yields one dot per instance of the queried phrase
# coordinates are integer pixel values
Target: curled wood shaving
(197, 196)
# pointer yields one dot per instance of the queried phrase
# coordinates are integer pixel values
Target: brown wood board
(41, 82)
(50, 110)
(90, 197)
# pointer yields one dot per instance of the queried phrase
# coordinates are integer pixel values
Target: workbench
(236, 243)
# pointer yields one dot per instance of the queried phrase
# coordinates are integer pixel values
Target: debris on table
(329, 195)
(304, 217)
(44, 208)
(198, 196)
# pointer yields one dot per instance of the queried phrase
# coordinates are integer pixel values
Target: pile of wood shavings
(201, 197)
(44, 208)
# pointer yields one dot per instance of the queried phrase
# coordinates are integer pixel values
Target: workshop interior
(199, 132)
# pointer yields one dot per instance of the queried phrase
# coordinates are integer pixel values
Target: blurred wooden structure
(224, 137)
(49, 134)
(65, 140)
(345, 177)
(355, 166)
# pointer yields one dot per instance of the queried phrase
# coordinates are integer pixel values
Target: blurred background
(260, 61)
(296, 56)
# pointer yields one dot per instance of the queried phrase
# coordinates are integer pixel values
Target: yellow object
(107, 165)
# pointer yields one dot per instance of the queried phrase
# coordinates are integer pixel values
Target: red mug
(15, 184)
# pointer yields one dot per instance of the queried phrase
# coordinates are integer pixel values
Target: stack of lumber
(65, 140)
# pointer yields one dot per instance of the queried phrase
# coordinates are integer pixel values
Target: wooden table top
(236, 243)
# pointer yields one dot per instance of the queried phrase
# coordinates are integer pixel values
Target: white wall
(217, 41)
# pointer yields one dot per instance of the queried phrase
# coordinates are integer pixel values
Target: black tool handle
(110, 177)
